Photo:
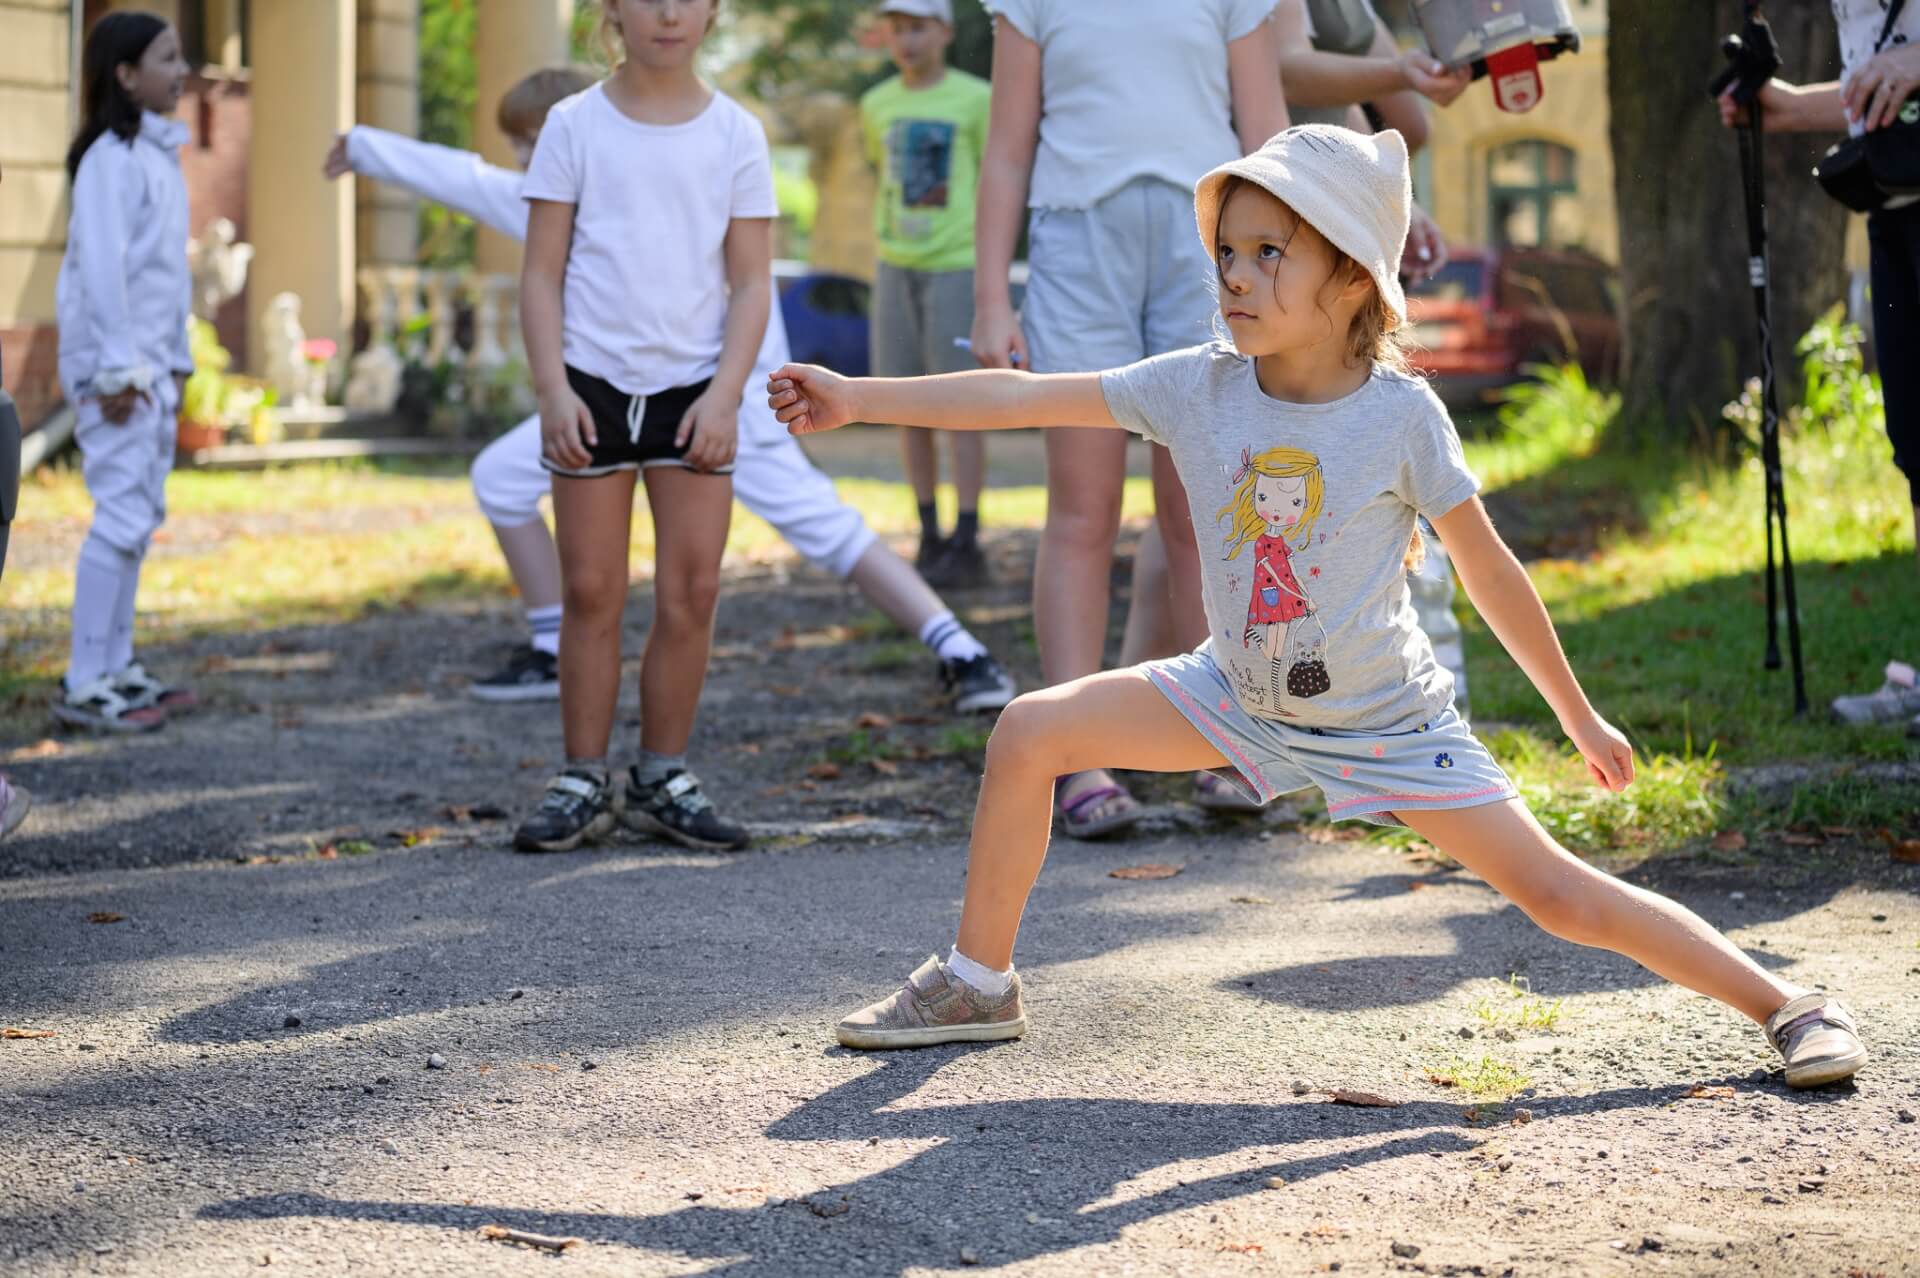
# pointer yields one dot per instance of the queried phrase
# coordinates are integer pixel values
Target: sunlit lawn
(1663, 620)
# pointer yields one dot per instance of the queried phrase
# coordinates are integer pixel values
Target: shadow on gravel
(1009, 1181)
(1497, 945)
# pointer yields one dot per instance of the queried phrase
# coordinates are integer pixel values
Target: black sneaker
(928, 557)
(577, 807)
(675, 809)
(960, 565)
(530, 675)
(977, 684)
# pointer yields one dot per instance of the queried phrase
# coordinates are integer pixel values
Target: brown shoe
(1816, 1036)
(934, 1007)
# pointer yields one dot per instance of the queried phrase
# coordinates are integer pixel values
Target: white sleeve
(99, 233)
(554, 173)
(1245, 16)
(752, 172)
(460, 180)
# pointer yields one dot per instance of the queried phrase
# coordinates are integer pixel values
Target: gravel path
(311, 900)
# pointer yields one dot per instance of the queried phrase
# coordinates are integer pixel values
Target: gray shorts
(1366, 776)
(1117, 282)
(916, 317)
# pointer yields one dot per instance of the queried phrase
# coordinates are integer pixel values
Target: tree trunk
(1691, 336)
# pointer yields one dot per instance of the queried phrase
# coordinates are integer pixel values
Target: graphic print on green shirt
(925, 145)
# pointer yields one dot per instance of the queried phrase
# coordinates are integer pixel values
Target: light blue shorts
(1366, 776)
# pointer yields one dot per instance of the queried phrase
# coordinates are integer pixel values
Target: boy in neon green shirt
(925, 131)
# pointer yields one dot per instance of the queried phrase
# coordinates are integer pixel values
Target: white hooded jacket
(125, 292)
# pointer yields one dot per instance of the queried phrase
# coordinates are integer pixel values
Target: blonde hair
(1373, 336)
(1274, 463)
(614, 47)
(523, 108)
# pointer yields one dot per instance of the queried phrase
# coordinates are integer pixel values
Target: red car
(1489, 312)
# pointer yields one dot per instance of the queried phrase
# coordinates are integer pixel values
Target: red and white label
(1515, 74)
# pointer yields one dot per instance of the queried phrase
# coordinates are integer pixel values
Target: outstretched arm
(810, 399)
(460, 180)
(1505, 597)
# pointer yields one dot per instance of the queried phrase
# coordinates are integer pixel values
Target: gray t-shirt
(1303, 513)
(1130, 89)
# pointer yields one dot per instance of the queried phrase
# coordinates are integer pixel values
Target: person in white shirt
(643, 299)
(1103, 117)
(772, 477)
(123, 298)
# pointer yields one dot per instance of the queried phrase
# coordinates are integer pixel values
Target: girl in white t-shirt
(644, 297)
(1300, 436)
(1104, 114)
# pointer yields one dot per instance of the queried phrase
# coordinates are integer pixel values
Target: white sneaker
(1897, 698)
(102, 706)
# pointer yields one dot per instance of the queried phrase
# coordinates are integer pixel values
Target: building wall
(1573, 113)
(35, 123)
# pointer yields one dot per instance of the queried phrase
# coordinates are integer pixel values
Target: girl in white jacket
(123, 300)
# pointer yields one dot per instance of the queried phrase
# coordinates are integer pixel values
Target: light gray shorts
(1117, 282)
(916, 316)
(1366, 776)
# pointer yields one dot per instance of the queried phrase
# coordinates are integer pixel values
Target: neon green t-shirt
(926, 146)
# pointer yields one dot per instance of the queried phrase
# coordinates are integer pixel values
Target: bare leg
(1503, 844)
(896, 588)
(1085, 471)
(1149, 632)
(532, 561)
(922, 463)
(1175, 519)
(592, 516)
(969, 466)
(1114, 719)
(690, 516)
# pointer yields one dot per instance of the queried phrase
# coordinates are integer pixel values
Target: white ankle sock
(983, 978)
(545, 624)
(950, 640)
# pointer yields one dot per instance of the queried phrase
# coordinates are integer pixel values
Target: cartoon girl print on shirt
(1278, 497)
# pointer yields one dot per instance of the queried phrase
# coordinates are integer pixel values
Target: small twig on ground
(500, 1233)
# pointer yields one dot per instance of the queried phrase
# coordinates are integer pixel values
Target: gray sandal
(1816, 1037)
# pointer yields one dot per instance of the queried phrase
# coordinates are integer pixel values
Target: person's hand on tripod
(1776, 101)
(1874, 94)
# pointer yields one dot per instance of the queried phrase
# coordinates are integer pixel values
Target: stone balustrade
(396, 299)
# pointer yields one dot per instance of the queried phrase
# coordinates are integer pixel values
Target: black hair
(106, 106)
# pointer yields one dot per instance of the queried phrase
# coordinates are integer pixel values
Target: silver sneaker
(935, 1006)
(1815, 1035)
(1897, 698)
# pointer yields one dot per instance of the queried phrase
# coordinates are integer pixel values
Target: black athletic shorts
(636, 431)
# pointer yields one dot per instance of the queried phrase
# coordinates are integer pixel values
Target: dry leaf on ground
(1341, 1096)
(105, 916)
(1907, 850)
(885, 767)
(1149, 871)
(872, 719)
(1730, 841)
(14, 1031)
(824, 771)
(44, 748)
(1701, 1091)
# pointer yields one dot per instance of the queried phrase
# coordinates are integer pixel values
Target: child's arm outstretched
(460, 180)
(1500, 588)
(810, 399)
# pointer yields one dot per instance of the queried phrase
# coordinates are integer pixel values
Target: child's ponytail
(105, 105)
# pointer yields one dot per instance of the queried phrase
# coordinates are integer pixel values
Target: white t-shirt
(1860, 22)
(645, 299)
(1130, 89)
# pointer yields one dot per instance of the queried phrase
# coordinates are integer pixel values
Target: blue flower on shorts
(1443, 760)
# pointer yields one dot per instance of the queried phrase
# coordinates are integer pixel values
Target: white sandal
(101, 706)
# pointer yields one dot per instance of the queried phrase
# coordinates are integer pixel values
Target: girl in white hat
(1300, 438)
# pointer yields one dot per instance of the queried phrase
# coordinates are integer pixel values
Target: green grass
(1514, 1005)
(1486, 1079)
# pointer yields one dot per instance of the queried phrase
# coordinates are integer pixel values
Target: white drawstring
(636, 413)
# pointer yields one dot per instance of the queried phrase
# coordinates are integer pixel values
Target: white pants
(772, 477)
(126, 466)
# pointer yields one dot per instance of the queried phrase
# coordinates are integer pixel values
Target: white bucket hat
(938, 10)
(1351, 187)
